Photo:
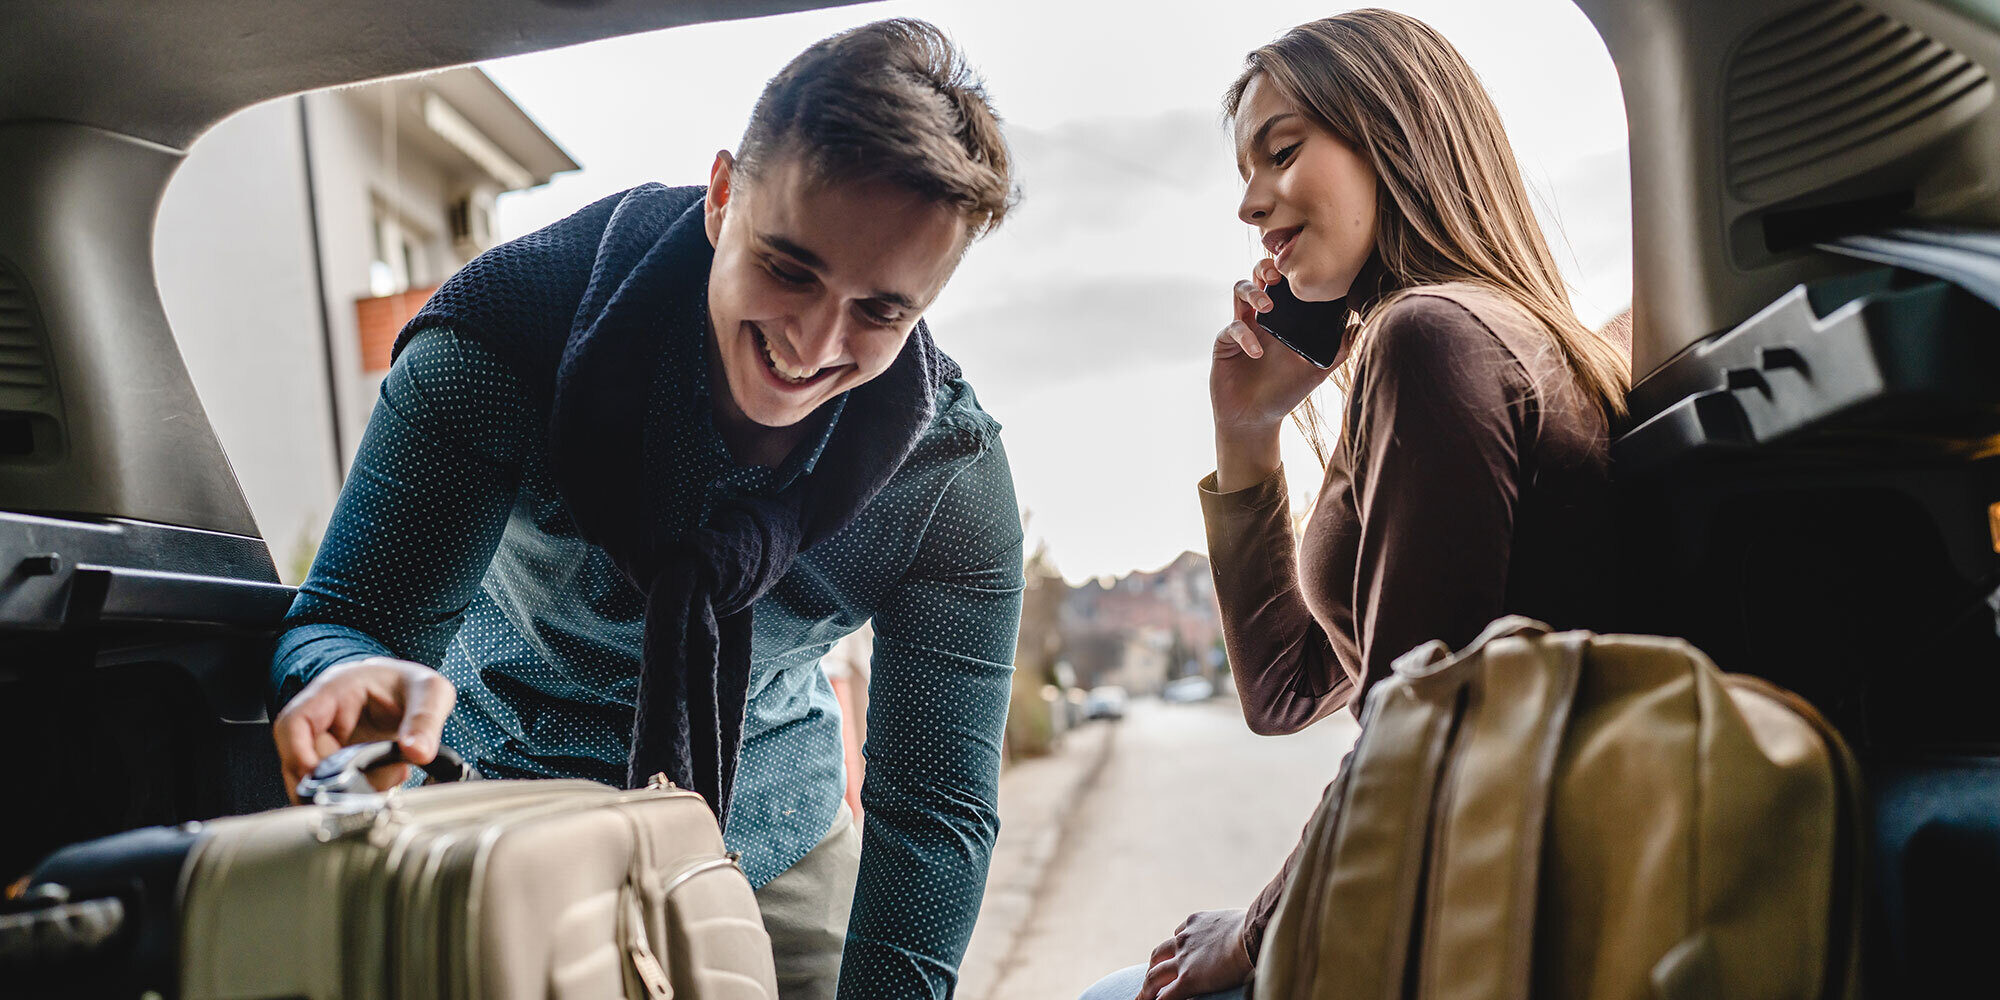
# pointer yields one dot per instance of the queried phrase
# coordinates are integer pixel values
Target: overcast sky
(1084, 323)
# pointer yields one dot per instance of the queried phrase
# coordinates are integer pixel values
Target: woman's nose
(1254, 206)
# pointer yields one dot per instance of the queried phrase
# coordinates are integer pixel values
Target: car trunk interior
(1810, 472)
(1809, 475)
(138, 600)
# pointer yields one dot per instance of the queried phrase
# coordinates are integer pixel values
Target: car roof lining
(165, 72)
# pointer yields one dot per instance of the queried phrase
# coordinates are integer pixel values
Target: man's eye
(880, 316)
(1281, 156)
(788, 276)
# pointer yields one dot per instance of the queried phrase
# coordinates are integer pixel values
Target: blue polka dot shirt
(450, 546)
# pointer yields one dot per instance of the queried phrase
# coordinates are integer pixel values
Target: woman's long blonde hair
(1450, 205)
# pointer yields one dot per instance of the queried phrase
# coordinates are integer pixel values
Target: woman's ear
(716, 203)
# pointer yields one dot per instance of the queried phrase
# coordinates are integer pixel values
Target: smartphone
(1313, 330)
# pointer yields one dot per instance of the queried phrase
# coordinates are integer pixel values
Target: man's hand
(1205, 955)
(361, 701)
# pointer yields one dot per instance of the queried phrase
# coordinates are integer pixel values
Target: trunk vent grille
(27, 380)
(1832, 90)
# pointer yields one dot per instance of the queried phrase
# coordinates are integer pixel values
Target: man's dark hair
(890, 101)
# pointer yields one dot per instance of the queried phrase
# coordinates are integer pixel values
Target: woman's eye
(1280, 157)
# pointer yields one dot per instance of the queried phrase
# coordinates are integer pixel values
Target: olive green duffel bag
(1576, 816)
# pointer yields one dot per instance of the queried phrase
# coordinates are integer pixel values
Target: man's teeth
(795, 374)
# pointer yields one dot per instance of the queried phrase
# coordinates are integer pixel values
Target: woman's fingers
(1266, 273)
(1244, 338)
(1248, 300)
(1157, 977)
(1253, 295)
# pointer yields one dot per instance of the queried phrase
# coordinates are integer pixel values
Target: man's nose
(820, 337)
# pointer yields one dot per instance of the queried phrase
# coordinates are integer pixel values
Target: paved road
(1191, 812)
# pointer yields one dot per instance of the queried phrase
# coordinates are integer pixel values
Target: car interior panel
(1809, 477)
(133, 577)
(1810, 471)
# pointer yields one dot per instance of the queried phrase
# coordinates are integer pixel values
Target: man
(602, 444)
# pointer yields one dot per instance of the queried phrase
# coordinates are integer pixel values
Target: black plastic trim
(1885, 359)
(58, 573)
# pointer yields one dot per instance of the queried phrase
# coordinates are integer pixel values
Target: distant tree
(1032, 726)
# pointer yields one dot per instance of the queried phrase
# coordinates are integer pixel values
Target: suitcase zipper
(393, 964)
(470, 875)
(410, 903)
(699, 868)
(652, 974)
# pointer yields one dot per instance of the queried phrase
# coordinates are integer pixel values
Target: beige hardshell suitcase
(482, 889)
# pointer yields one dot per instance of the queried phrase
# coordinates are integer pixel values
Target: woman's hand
(361, 701)
(1254, 382)
(1205, 955)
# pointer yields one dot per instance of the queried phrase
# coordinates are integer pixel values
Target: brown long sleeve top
(1469, 481)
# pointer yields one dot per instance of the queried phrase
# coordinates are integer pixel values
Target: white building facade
(294, 242)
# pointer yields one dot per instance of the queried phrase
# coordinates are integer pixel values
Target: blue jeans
(1124, 985)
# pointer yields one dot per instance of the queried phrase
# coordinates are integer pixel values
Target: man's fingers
(387, 776)
(303, 733)
(1176, 990)
(294, 734)
(427, 700)
(347, 703)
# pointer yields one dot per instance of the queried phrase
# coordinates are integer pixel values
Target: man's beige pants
(805, 911)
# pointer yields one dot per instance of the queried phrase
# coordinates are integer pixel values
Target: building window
(399, 281)
(399, 260)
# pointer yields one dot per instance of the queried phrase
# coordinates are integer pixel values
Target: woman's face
(1311, 197)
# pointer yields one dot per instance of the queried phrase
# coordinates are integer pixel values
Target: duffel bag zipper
(1842, 972)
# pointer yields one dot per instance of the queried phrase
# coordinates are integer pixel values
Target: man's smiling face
(815, 286)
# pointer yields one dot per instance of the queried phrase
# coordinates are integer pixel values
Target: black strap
(59, 934)
(342, 770)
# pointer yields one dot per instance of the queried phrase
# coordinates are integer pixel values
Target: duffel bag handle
(344, 771)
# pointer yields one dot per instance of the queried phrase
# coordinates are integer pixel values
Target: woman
(1469, 477)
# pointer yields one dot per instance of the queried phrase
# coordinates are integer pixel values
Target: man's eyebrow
(810, 259)
(793, 250)
(1263, 132)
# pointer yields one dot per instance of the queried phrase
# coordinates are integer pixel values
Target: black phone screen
(1313, 330)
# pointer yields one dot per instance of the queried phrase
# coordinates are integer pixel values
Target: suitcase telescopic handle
(343, 772)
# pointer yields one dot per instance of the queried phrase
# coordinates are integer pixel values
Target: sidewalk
(1037, 798)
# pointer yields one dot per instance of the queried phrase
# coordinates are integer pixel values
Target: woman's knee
(1121, 985)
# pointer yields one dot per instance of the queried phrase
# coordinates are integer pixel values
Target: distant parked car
(1107, 702)
(1188, 689)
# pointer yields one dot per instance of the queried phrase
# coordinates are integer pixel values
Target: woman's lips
(1279, 241)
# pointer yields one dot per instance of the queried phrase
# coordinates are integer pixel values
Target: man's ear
(716, 203)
